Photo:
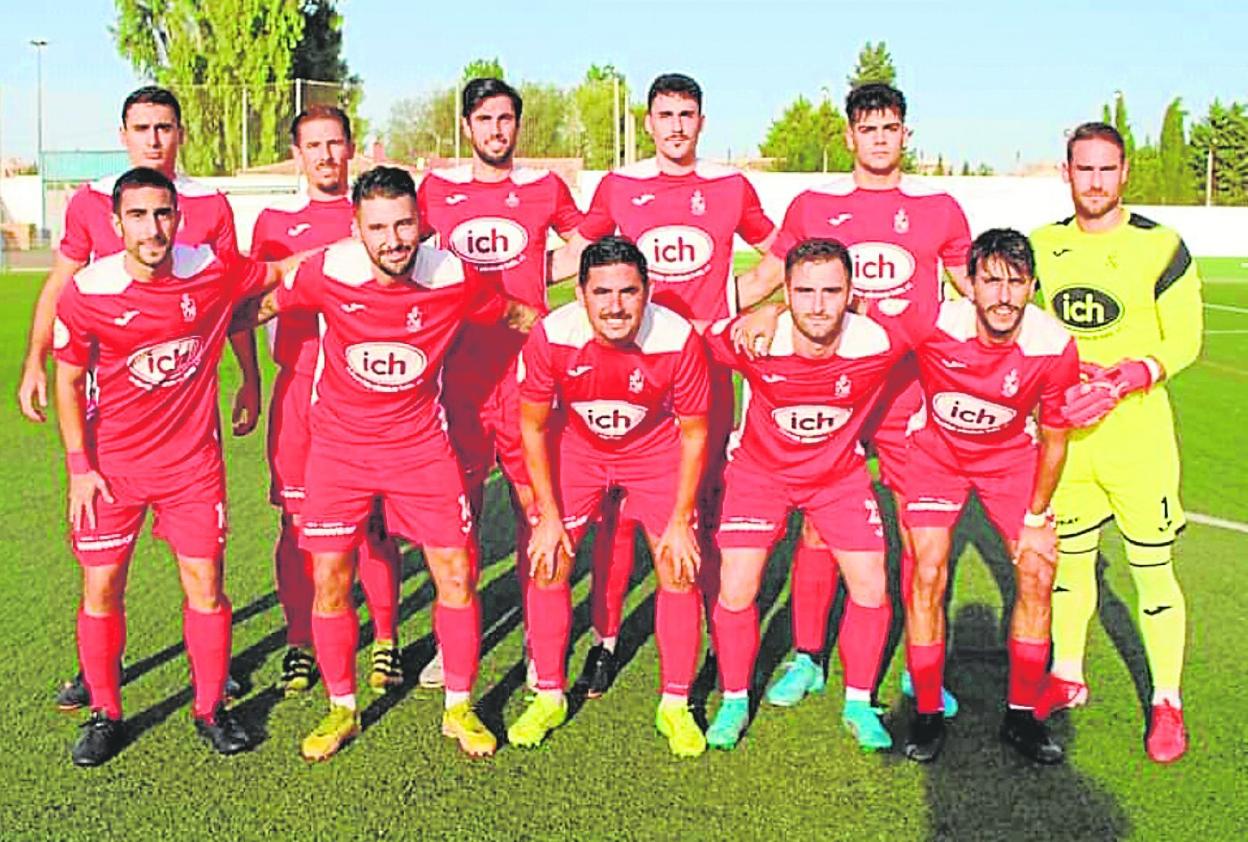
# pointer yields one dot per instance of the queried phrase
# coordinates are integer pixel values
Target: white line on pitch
(1223, 332)
(1227, 308)
(1220, 523)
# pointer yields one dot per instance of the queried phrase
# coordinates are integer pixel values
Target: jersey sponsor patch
(1085, 308)
(166, 363)
(881, 269)
(385, 366)
(963, 413)
(488, 240)
(610, 419)
(678, 252)
(810, 423)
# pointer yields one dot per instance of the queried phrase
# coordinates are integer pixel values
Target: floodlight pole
(39, 44)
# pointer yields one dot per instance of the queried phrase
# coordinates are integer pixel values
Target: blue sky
(987, 81)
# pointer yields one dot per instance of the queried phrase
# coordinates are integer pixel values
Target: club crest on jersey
(413, 319)
(843, 386)
(810, 423)
(967, 414)
(610, 419)
(189, 311)
(697, 203)
(881, 270)
(512, 200)
(385, 366)
(488, 241)
(1009, 387)
(677, 252)
(166, 363)
(901, 222)
(636, 381)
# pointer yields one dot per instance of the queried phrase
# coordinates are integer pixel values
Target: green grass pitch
(607, 774)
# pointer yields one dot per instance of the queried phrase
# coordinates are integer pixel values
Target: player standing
(684, 214)
(321, 145)
(797, 447)
(991, 363)
(151, 131)
(1129, 291)
(494, 216)
(901, 233)
(152, 321)
(391, 310)
(633, 378)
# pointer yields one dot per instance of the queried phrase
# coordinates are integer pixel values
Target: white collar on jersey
(108, 275)
(186, 186)
(1041, 334)
(861, 336)
(649, 168)
(462, 174)
(909, 185)
(348, 263)
(662, 330)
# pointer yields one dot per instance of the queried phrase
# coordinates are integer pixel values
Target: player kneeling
(633, 377)
(991, 362)
(797, 447)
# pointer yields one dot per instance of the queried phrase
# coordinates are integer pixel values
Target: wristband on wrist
(78, 462)
(1154, 370)
(1036, 521)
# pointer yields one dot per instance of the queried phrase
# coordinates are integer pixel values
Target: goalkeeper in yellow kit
(1129, 292)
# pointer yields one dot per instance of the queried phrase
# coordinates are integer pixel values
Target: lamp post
(39, 44)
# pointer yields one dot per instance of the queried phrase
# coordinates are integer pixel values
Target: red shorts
(646, 482)
(936, 494)
(756, 504)
(289, 439)
(901, 397)
(485, 428)
(188, 506)
(421, 490)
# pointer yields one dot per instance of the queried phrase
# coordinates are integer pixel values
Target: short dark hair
(818, 250)
(320, 112)
(386, 182)
(142, 177)
(609, 251)
(1009, 246)
(1095, 130)
(152, 95)
(675, 84)
(871, 97)
(478, 91)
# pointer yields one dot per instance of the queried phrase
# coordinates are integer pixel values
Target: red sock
(294, 585)
(549, 613)
(1029, 659)
(336, 637)
(861, 640)
(678, 632)
(101, 640)
(379, 575)
(736, 645)
(458, 631)
(927, 672)
(814, 585)
(208, 649)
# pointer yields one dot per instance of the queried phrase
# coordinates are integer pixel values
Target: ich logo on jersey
(964, 413)
(610, 419)
(1086, 308)
(810, 423)
(678, 252)
(385, 366)
(488, 240)
(880, 269)
(167, 363)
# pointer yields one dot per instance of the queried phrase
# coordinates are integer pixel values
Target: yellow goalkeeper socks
(1074, 603)
(1162, 613)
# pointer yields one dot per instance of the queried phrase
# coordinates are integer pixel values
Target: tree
(423, 126)
(318, 58)
(1175, 181)
(808, 139)
(546, 129)
(1123, 124)
(966, 168)
(594, 111)
(483, 68)
(210, 54)
(1224, 131)
(875, 64)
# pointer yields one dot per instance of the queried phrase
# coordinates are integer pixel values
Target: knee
(929, 581)
(102, 595)
(452, 574)
(331, 576)
(736, 593)
(1035, 579)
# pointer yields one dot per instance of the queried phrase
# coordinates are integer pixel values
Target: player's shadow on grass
(980, 788)
(1119, 623)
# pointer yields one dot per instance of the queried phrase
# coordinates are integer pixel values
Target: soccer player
(992, 363)
(684, 214)
(797, 447)
(494, 216)
(152, 321)
(321, 145)
(390, 310)
(633, 377)
(1128, 290)
(901, 233)
(151, 131)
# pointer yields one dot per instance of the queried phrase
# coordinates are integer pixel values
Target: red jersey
(379, 379)
(898, 240)
(979, 399)
(286, 228)
(621, 400)
(685, 225)
(802, 418)
(206, 219)
(154, 347)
